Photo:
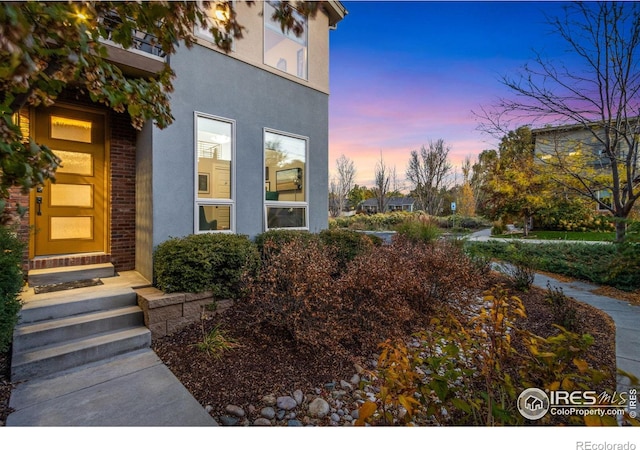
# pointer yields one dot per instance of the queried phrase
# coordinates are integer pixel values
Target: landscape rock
(269, 400)
(319, 408)
(235, 410)
(228, 421)
(268, 412)
(355, 379)
(287, 403)
(338, 394)
(294, 423)
(346, 385)
(335, 417)
(298, 396)
(262, 422)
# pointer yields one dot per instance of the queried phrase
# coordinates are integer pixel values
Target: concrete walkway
(134, 389)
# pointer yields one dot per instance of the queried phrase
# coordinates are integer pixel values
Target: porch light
(222, 12)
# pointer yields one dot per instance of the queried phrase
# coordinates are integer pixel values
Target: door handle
(39, 203)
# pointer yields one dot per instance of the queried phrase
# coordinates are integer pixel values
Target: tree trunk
(621, 230)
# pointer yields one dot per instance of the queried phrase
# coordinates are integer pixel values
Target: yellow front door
(70, 214)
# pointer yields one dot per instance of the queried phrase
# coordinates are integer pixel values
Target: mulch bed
(271, 363)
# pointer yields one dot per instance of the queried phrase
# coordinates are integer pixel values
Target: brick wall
(123, 192)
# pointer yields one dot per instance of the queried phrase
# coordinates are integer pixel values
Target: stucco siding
(211, 83)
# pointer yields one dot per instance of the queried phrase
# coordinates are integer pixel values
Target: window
(284, 50)
(285, 158)
(605, 197)
(215, 148)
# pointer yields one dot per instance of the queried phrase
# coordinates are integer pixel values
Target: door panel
(70, 215)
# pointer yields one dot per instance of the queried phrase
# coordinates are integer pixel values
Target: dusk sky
(406, 73)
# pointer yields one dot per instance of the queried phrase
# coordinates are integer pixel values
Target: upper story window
(284, 50)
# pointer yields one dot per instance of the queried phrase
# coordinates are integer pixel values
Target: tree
(600, 94)
(514, 186)
(382, 179)
(427, 171)
(487, 159)
(358, 194)
(467, 200)
(47, 47)
(346, 170)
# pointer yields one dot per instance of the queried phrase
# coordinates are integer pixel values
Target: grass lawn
(565, 235)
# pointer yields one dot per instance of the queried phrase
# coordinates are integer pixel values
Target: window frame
(198, 201)
(305, 180)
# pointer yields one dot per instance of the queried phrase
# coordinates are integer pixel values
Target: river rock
(262, 422)
(298, 396)
(269, 400)
(235, 410)
(228, 421)
(286, 403)
(319, 408)
(268, 412)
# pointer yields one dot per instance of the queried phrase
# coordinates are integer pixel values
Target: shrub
(522, 273)
(295, 292)
(498, 228)
(347, 244)
(419, 229)
(203, 262)
(11, 282)
(381, 294)
(279, 238)
(563, 311)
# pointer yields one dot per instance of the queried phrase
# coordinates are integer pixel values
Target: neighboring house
(370, 206)
(247, 152)
(577, 144)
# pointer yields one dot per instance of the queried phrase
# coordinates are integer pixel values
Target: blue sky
(405, 73)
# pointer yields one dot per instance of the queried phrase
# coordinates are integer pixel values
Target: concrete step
(42, 277)
(65, 304)
(58, 357)
(30, 336)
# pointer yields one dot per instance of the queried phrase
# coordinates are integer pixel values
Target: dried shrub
(295, 292)
(347, 244)
(381, 294)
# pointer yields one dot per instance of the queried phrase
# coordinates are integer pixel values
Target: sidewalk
(485, 236)
(134, 389)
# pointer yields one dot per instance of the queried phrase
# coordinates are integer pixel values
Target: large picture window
(284, 50)
(214, 174)
(285, 184)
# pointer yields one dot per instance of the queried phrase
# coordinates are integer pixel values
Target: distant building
(583, 143)
(370, 206)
